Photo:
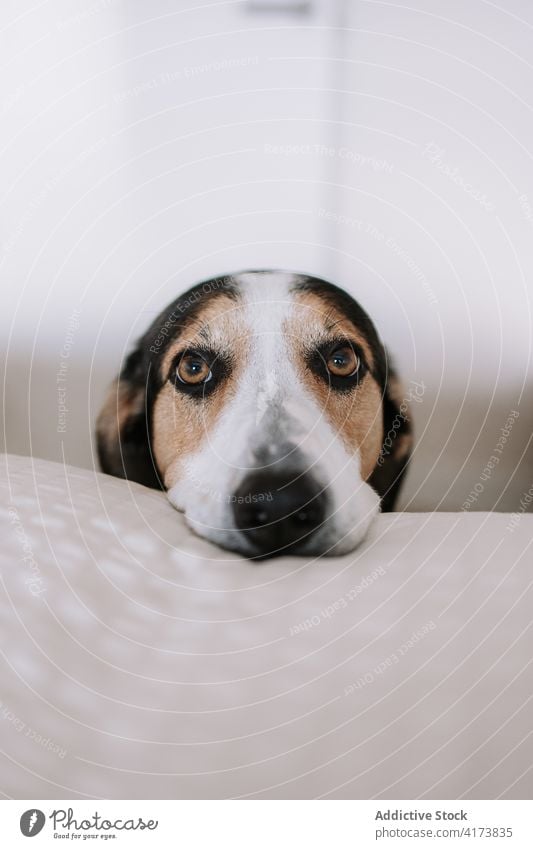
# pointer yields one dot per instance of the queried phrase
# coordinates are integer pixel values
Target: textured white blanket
(141, 662)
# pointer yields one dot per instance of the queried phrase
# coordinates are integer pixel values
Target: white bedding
(141, 662)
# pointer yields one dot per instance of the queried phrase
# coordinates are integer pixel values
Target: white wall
(438, 96)
(138, 155)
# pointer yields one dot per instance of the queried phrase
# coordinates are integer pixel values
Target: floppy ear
(123, 425)
(389, 471)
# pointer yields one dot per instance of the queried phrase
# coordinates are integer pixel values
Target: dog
(260, 402)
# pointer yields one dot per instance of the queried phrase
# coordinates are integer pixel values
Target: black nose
(277, 513)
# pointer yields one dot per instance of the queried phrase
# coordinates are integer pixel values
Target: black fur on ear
(389, 471)
(123, 427)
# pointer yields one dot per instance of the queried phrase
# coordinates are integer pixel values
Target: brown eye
(193, 369)
(343, 361)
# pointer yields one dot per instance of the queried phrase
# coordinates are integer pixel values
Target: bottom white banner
(262, 824)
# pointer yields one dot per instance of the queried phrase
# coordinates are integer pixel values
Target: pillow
(139, 661)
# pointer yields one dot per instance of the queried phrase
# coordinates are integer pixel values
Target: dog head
(259, 401)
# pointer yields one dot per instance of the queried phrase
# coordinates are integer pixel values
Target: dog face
(259, 401)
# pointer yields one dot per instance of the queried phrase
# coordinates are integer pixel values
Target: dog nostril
(290, 510)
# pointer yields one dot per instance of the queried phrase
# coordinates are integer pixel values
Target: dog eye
(343, 361)
(193, 369)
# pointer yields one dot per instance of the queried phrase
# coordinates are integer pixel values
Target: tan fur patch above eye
(314, 319)
(218, 324)
(356, 416)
